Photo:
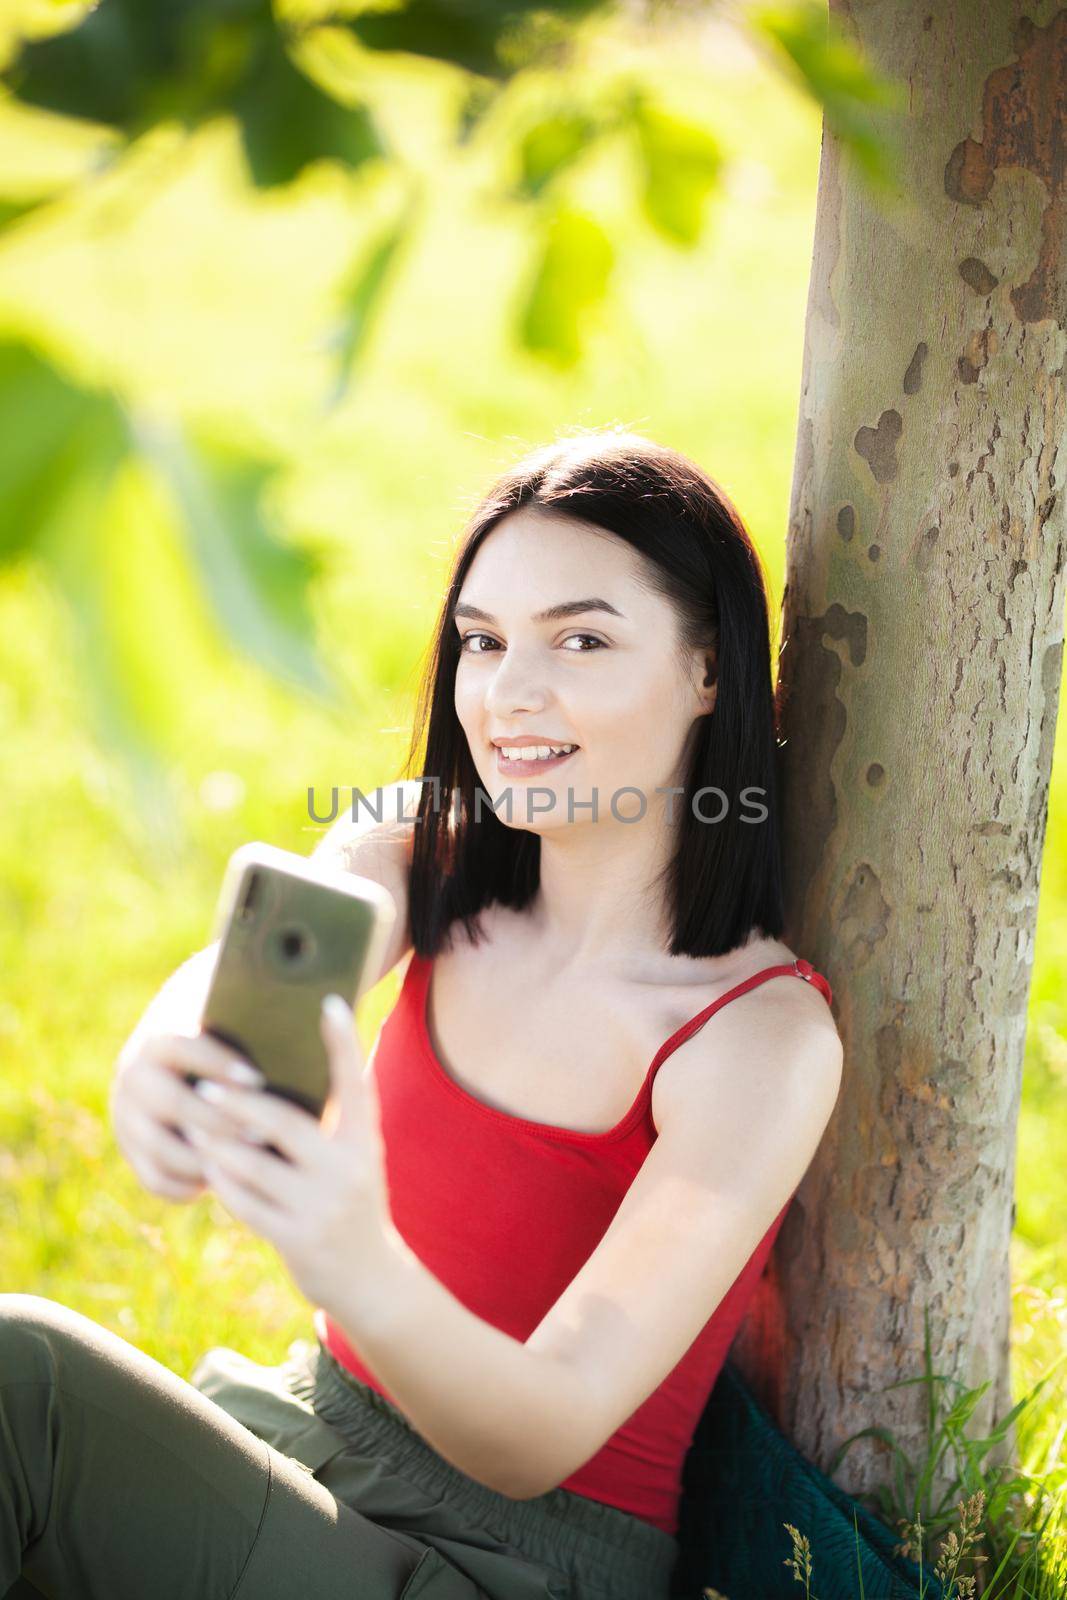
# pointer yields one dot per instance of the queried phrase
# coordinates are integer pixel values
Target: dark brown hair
(725, 877)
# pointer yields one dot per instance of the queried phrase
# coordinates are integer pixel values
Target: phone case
(291, 931)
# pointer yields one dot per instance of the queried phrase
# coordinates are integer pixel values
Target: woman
(529, 1235)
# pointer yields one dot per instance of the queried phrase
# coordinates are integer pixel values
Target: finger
(338, 1022)
(163, 1182)
(220, 1124)
(163, 1146)
(263, 1218)
(201, 1054)
(168, 1189)
(294, 1131)
(161, 1095)
(345, 1106)
(267, 1176)
(208, 1113)
(149, 1177)
(180, 1191)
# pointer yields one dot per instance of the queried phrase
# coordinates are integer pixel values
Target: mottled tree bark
(919, 674)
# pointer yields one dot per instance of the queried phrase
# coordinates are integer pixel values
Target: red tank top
(505, 1211)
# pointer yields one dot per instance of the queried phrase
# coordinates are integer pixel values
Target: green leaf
(680, 162)
(129, 62)
(287, 121)
(482, 36)
(88, 566)
(963, 1406)
(550, 146)
(362, 294)
(885, 1436)
(132, 63)
(65, 448)
(14, 210)
(571, 275)
(860, 105)
(479, 99)
(56, 437)
(257, 582)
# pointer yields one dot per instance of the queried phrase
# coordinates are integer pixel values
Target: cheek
(468, 700)
(465, 695)
(641, 719)
(628, 699)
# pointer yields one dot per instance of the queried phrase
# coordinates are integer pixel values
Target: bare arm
(150, 1100)
(738, 1126)
(176, 1006)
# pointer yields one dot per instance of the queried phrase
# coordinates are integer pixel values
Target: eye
(465, 637)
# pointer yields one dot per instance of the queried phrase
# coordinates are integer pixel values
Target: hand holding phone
(291, 931)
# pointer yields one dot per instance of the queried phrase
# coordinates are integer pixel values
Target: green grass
(186, 289)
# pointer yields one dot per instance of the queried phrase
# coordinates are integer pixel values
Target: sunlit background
(351, 344)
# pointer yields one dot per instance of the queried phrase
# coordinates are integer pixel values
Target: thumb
(345, 1105)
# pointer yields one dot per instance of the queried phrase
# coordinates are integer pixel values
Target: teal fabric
(742, 1481)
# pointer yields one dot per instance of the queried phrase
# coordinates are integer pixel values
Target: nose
(515, 685)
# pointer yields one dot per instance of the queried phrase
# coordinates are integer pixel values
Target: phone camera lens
(291, 951)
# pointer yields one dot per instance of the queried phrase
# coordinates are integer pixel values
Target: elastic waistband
(606, 1548)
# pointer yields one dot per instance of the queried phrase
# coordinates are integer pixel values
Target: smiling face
(563, 643)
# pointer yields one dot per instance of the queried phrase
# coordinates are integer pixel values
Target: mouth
(526, 767)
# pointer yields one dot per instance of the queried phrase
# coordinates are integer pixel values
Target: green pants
(120, 1480)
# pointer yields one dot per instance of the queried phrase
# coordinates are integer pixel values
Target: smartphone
(291, 931)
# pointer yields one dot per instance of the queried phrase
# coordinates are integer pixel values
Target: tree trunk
(920, 674)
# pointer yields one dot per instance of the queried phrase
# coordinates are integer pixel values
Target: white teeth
(534, 752)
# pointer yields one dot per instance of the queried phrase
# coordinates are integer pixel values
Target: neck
(599, 904)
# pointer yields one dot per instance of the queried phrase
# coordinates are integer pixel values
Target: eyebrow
(566, 608)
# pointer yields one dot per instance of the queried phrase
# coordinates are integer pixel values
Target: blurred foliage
(64, 449)
(303, 83)
(255, 304)
(863, 110)
(570, 274)
(258, 583)
(359, 294)
(168, 280)
(132, 64)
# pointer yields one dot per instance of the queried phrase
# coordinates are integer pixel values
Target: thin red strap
(796, 969)
(804, 969)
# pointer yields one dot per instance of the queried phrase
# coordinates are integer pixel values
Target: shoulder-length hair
(725, 877)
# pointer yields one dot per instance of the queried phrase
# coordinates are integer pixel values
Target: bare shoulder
(377, 843)
(387, 820)
(774, 1048)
